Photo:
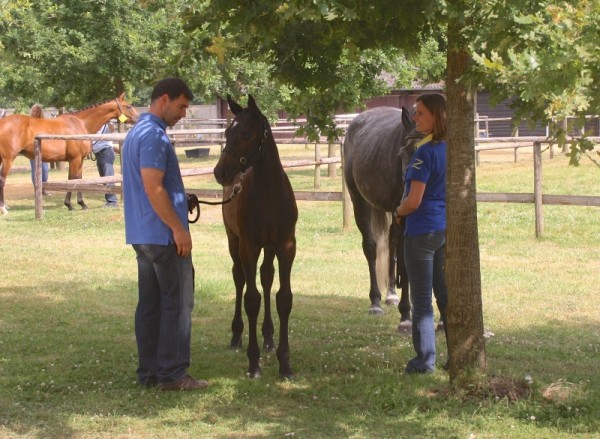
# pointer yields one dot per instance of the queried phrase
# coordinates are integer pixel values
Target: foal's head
(245, 139)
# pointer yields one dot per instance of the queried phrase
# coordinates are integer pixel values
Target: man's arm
(161, 203)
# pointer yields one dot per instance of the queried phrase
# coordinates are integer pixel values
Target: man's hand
(183, 241)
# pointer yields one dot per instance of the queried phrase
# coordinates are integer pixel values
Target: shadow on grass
(68, 370)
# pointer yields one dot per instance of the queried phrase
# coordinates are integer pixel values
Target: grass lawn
(68, 355)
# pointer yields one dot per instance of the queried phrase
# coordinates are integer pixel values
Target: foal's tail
(380, 226)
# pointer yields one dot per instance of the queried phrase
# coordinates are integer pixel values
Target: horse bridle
(121, 111)
(194, 202)
(246, 162)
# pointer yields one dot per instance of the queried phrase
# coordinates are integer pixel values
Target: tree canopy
(73, 53)
(545, 57)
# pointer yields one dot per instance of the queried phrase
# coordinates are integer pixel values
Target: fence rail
(97, 184)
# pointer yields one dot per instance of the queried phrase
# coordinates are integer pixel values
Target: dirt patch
(508, 388)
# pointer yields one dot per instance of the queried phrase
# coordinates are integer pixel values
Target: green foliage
(325, 56)
(74, 53)
(545, 56)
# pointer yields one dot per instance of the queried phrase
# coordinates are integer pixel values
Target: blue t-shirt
(428, 165)
(148, 146)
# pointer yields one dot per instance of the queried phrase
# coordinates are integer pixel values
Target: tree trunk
(466, 344)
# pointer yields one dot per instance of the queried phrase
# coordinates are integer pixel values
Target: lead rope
(194, 202)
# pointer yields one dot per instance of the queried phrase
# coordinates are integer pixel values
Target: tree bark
(466, 344)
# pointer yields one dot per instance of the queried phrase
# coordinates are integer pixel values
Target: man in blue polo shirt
(156, 225)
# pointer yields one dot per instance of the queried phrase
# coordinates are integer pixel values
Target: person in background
(156, 225)
(38, 112)
(423, 210)
(104, 153)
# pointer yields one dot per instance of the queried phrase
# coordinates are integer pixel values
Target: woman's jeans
(44, 171)
(424, 257)
(163, 318)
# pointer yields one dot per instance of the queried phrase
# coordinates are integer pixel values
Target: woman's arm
(412, 200)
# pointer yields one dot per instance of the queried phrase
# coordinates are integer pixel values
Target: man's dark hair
(174, 87)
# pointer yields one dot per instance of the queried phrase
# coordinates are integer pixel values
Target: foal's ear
(234, 106)
(252, 104)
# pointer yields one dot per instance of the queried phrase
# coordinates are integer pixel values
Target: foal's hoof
(405, 327)
(83, 206)
(269, 346)
(69, 206)
(376, 310)
(257, 373)
(4, 210)
(288, 376)
(235, 344)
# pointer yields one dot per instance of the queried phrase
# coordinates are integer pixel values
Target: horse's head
(126, 113)
(245, 138)
(410, 138)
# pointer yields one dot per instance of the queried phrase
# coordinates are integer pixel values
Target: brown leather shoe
(185, 383)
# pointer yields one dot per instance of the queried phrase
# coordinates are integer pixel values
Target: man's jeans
(105, 158)
(163, 318)
(424, 257)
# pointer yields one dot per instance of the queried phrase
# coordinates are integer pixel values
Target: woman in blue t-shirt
(423, 210)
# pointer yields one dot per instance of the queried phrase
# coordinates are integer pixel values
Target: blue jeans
(44, 171)
(424, 257)
(105, 158)
(163, 317)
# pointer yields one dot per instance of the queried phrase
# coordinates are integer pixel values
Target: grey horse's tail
(380, 225)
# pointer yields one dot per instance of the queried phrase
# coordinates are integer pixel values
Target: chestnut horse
(17, 134)
(262, 216)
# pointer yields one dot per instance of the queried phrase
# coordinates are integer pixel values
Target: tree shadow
(75, 356)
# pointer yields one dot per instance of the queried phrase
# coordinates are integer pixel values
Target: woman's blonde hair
(436, 104)
(37, 108)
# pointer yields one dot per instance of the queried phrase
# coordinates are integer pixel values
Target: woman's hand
(397, 217)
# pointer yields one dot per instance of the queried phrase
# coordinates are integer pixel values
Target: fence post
(317, 166)
(537, 189)
(39, 204)
(331, 166)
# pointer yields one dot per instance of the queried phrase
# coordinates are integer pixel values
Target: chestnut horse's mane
(91, 106)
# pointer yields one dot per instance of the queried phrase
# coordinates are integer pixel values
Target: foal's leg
(284, 298)
(267, 272)
(237, 324)
(249, 256)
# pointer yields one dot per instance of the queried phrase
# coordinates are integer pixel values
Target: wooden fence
(98, 184)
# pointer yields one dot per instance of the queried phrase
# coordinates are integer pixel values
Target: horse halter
(246, 162)
(411, 136)
(122, 116)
